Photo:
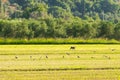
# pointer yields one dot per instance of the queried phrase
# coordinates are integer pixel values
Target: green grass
(95, 62)
(58, 41)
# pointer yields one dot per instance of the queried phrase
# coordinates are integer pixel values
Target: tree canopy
(60, 19)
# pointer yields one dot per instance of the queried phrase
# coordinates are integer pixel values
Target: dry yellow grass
(61, 75)
(41, 62)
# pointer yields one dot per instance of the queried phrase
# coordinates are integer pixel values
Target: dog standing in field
(30, 57)
(78, 56)
(16, 57)
(46, 57)
(72, 48)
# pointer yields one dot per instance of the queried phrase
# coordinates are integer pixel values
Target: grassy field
(59, 62)
(58, 41)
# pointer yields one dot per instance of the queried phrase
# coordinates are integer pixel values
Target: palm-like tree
(2, 2)
(83, 9)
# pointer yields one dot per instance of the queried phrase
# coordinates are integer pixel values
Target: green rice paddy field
(59, 62)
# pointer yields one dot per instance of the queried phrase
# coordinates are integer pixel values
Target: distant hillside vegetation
(84, 19)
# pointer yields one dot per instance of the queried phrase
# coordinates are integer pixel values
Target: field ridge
(64, 69)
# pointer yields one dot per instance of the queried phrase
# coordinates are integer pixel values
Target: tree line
(60, 19)
(59, 28)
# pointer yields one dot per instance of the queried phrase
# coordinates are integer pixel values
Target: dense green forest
(85, 19)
